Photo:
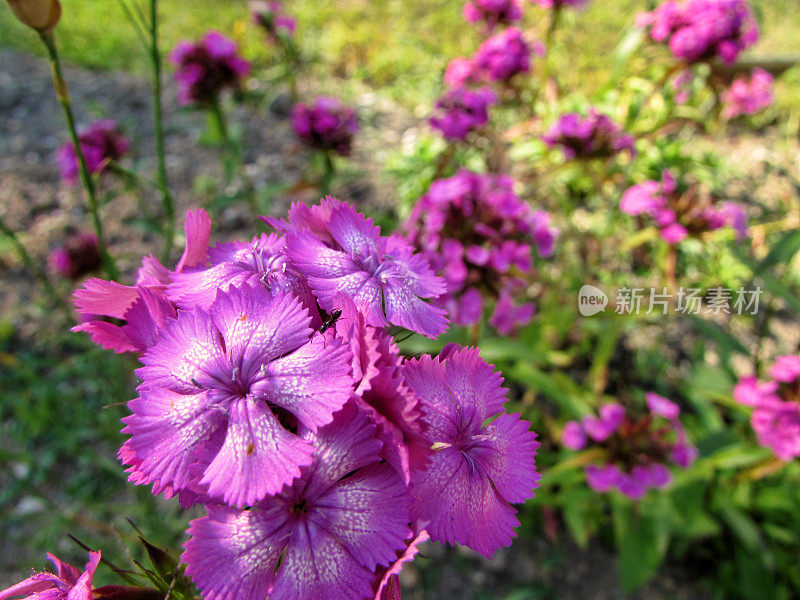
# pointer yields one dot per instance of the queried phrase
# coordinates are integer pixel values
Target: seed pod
(42, 15)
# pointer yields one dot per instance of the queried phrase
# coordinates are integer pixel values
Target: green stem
(327, 175)
(158, 120)
(31, 264)
(62, 94)
(233, 161)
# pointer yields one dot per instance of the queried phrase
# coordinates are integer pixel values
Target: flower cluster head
(701, 30)
(776, 406)
(479, 235)
(748, 96)
(327, 125)
(101, 144)
(504, 55)
(595, 136)
(462, 111)
(78, 256)
(636, 449)
(206, 68)
(273, 393)
(680, 213)
(67, 583)
(493, 12)
(269, 15)
(558, 4)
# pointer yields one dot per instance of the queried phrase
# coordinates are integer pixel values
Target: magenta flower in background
(206, 68)
(327, 125)
(387, 585)
(680, 213)
(78, 256)
(493, 12)
(67, 583)
(637, 448)
(462, 111)
(222, 392)
(341, 251)
(322, 537)
(269, 15)
(476, 471)
(101, 143)
(701, 30)
(504, 55)
(748, 96)
(595, 136)
(460, 72)
(475, 232)
(776, 406)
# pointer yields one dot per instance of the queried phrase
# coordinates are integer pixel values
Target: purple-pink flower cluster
(327, 125)
(273, 393)
(478, 234)
(206, 68)
(504, 55)
(461, 111)
(748, 96)
(78, 256)
(101, 143)
(67, 583)
(679, 214)
(776, 406)
(700, 30)
(636, 449)
(493, 12)
(594, 136)
(269, 15)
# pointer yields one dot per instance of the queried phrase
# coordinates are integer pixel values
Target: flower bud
(42, 15)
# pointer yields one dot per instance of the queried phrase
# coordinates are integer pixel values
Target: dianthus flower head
(701, 30)
(322, 537)
(462, 111)
(261, 261)
(476, 470)
(78, 256)
(595, 136)
(776, 406)
(504, 55)
(340, 251)
(748, 96)
(682, 211)
(101, 143)
(223, 392)
(475, 231)
(327, 124)
(269, 15)
(460, 72)
(206, 68)
(144, 306)
(636, 448)
(67, 583)
(387, 581)
(493, 12)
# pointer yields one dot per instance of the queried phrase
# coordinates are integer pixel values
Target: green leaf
(784, 250)
(642, 540)
(724, 339)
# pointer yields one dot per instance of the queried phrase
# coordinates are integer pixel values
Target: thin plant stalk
(62, 94)
(233, 160)
(38, 273)
(162, 178)
(328, 174)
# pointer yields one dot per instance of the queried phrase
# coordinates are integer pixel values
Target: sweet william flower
(41, 15)
(462, 111)
(493, 12)
(340, 250)
(224, 391)
(78, 256)
(322, 537)
(327, 125)
(67, 583)
(476, 470)
(101, 143)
